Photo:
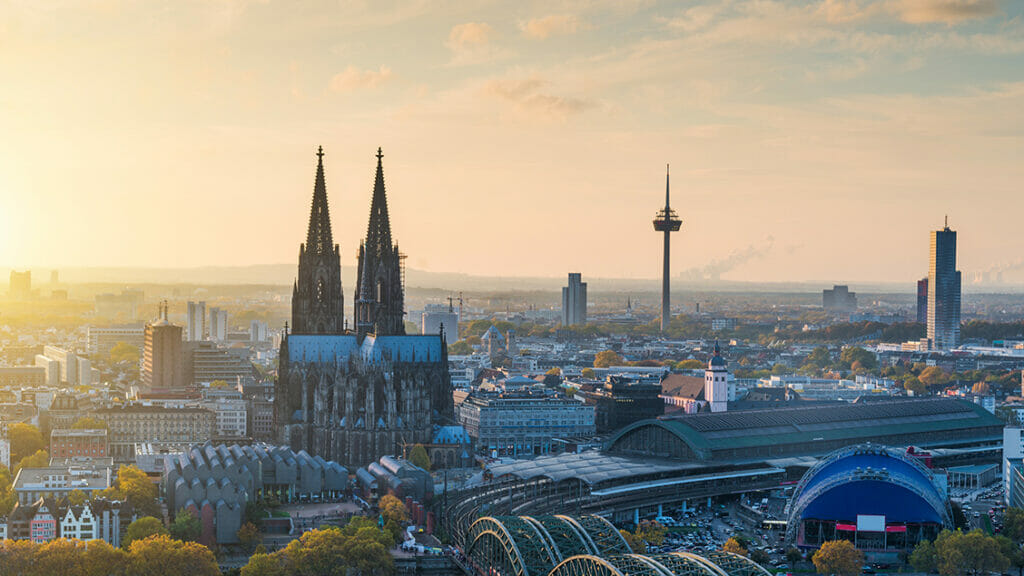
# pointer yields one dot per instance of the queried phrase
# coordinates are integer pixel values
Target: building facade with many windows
(137, 423)
(524, 423)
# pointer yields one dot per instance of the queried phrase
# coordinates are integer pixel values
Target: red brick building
(67, 443)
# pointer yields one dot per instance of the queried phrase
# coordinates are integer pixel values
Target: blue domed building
(879, 498)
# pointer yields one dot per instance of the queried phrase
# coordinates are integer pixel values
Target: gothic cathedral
(354, 396)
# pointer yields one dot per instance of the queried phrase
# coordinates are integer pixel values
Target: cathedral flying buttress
(353, 396)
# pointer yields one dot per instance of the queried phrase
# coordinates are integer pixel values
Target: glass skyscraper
(943, 291)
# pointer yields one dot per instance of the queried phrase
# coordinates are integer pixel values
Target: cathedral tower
(380, 296)
(318, 304)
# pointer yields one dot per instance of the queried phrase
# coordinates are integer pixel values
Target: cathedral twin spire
(317, 300)
(319, 239)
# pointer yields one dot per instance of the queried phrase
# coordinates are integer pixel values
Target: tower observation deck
(666, 221)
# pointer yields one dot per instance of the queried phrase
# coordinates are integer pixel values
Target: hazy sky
(807, 140)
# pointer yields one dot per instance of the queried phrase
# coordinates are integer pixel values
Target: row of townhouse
(47, 519)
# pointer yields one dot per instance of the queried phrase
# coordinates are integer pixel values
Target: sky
(807, 140)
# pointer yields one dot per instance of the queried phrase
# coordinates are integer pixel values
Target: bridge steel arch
(687, 564)
(584, 546)
(586, 565)
(736, 565)
(606, 538)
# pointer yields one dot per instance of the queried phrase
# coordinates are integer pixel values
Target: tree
(76, 497)
(636, 544)
(102, 559)
(733, 546)
(838, 557)
(161, 555)
(25, 440)
(264, 565)
(141, 529)
(40, 459)
(793, 555)
(1013, 524)
(418, 456)
(607, 358)
(855, 354)
(913, 384)
(780, 369)
(249, 535)
(17, 557)
(689, 364)
(973, 552)
(186, 526)
(651, 532)
(588, 373)
(89, 423)
(981, 388)
(135, 485)
(819, 358)
(123, 351)
(933, 376)
(392, 508)
(460, 348)
(923, 557)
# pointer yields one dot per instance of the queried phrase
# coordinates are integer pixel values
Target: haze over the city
(808, 141)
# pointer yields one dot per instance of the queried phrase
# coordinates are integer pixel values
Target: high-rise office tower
(218, 324)
(943, 291)
(922, 300)
(666, 221)
(195, 321)
(21, 285)
(574, 301)
(162, 365)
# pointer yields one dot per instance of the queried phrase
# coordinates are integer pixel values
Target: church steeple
(317, 298)
(318, 238)
(378, 231)
(380, 296)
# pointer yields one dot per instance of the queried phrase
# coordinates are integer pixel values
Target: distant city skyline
(809, 141)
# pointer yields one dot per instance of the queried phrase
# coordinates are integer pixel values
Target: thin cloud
(471, 43)
(551, 25)
(353, 78)
(946, 11)
(529, 96)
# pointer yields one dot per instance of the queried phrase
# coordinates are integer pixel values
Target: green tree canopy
(161, 555)
(40, 459)
(418, 456)
(588, 373)
(460, 348)
(856, 355)
(838, 557)
(607, 358)
(1013, 524)
(819, 358)
(141, 529)
(25, 440)
(933, 377)
(959, 553)
(89, 423)
(249, 536)
(123, 351)
(186, 526)
(689, 364)
(923, 558)
(733, 546)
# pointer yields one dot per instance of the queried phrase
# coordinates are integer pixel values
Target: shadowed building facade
(354, 396)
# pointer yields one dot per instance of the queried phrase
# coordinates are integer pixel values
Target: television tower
(666, 221)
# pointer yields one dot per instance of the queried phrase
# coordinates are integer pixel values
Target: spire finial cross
(380, 154)
(320, 153)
